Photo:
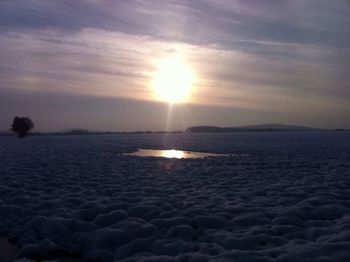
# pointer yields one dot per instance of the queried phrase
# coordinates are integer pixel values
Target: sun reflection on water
(173, 153)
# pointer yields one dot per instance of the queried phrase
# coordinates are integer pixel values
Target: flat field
(284, 197)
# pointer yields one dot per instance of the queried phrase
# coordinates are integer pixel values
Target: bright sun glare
(173, 153)
(173, 80)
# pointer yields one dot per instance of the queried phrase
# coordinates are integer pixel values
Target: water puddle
(172, 153)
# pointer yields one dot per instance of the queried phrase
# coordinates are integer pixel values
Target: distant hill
(250, 128)
(5, 133)
(74, 131)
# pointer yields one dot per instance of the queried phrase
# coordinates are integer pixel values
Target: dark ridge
(250, 128)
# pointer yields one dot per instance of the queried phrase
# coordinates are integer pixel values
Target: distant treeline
(253, 128)
(88, 132)
(194, 129)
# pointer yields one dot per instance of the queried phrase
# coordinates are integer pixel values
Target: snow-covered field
(77, 196)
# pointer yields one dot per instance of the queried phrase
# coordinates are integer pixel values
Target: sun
(173, 80)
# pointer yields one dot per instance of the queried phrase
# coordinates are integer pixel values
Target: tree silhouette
(21, 126)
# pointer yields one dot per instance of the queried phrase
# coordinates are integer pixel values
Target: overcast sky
(88, 64)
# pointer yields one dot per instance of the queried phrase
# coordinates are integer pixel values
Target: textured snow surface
(289, 200)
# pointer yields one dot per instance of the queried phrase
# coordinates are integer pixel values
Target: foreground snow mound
(79, 196)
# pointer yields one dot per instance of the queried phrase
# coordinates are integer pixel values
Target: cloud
(100, 62)
(261, 55)
(204, 21)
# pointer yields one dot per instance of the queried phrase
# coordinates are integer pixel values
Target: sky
(90, 63)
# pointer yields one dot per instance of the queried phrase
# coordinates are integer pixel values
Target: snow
(78, 197)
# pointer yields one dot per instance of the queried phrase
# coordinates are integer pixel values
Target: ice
(173, 153)
(79, 198)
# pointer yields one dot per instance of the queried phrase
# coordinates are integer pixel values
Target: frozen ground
(79, 197)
